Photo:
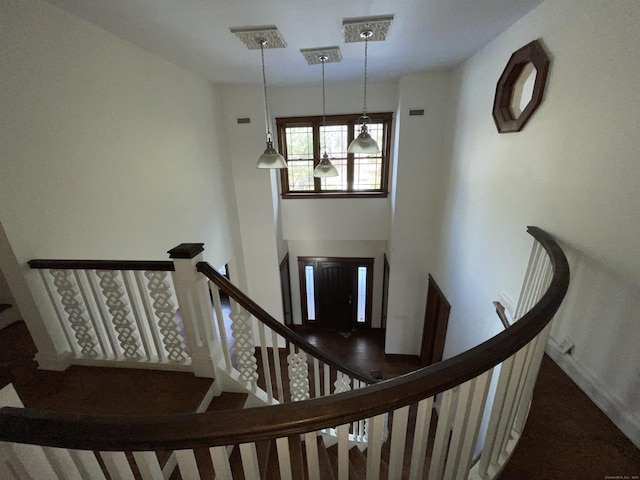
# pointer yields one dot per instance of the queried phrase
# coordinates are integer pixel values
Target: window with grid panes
(302, 143)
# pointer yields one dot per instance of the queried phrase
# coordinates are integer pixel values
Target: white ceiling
(194, 34)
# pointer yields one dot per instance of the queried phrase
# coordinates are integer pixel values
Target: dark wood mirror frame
(502, 112)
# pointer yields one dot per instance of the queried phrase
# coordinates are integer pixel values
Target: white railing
(461, 386)
(116, 312)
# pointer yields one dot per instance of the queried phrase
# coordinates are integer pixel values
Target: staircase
(307, 415)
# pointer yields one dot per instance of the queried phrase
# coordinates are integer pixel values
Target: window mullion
(316, 154)
(350, 157)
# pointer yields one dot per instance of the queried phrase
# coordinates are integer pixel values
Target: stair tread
(227, 401)
(326, 468)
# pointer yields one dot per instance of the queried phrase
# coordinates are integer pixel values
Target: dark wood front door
(436, 319)
(335, 292)
(336, 286)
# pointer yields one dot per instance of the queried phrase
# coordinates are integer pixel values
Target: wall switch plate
(566, 346)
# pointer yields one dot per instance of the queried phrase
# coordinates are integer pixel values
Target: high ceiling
(194, 34)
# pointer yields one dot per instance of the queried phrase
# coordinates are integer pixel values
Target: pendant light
(325, 168)
(364, 143)
(270, 158)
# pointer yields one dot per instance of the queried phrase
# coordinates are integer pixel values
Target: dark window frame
(351, 120)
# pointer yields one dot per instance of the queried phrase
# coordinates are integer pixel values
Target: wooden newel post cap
(186, 250)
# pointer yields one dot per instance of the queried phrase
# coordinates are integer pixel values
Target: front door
(336, 292)
(335, 295)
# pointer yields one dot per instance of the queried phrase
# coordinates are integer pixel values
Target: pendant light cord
(366, 44)
(264, 84)
(324, 110)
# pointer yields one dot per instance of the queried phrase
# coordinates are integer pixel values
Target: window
(301, 142)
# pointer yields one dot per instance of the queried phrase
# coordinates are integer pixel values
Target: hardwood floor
(362, 351)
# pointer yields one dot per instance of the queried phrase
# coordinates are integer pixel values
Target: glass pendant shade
(325, 168)
(364, 143)
(271, 158)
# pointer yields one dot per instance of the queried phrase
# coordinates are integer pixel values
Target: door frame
(304, 261)
(436, 319)
(286, 290)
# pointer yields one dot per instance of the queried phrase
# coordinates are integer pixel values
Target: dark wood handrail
(263, 316)
(151, 265)
(94, 432)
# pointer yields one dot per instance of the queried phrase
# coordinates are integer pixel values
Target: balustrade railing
(439, 444)
(116, 311)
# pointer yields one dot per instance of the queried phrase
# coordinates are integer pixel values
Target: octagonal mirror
(520, 87)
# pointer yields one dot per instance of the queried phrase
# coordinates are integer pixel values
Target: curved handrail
(263, 316)
(98, 432)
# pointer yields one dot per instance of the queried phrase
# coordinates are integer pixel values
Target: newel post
(195, 306)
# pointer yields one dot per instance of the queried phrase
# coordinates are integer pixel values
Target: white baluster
(443, 430)
(342, 383)
(343, 452)
(298, 375)
(242, 328)
(249, 458)
(374, 450)
(277, 367)
(148, 465)
(160, 291)
(421, 434)
(221, 465)
(398, 440)
(313, 462)
(75, 312)
(187, 464)
(114, 299)
(266, 368)
(117, 465)
(284, 458)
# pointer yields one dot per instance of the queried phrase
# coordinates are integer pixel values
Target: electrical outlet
(566, 346)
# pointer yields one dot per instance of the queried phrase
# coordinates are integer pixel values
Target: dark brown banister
(93, 432)
(263, 316)
(149, 265)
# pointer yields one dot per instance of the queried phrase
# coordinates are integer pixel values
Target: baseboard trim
(400, 356)
(612, 407)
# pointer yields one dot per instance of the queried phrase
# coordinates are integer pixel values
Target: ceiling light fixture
(358, 30)
(270, 158)
(325, 168)
(264, 37)
(364, 143)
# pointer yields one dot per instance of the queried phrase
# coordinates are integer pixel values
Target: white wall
(108, 151)
(573, 171)
(417, 175)
(256, 196)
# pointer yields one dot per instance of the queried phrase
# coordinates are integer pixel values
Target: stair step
(326, 468)
(227, 401)
(332, 451)
(4, 306)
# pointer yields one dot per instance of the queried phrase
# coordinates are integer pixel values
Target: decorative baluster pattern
(342, 383)
(172, 338)
(244, 346)
(75, 311)
(116, 303)
(298, 375)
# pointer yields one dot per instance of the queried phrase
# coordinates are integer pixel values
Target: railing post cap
(186, 250)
